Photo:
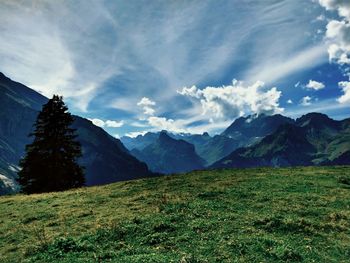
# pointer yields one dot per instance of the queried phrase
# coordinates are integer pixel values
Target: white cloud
(321, 18)
(147, 106)
(306, 101)
(146, 102)
(43, 51)
(114, 124)
(135, 134)
(181, 125)
(315, 85)
(229, 102)
(345, 86)
(107, 123)
(289, 101)
(338, 31)
(76, 56)
(156, 122)
(341, 6)
(98, 122)
(46, 67)
(162, 123)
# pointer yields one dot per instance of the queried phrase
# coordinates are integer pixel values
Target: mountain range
(313, 139)
(244, 131)
(210, 149)
(251, 141)
(257, 140)
(168, 155)
(105, 158)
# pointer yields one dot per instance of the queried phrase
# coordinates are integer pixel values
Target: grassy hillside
(252, 215)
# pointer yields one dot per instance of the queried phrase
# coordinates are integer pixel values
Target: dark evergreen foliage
(51, 160)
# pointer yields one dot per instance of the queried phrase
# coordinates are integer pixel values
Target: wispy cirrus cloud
(105, 56)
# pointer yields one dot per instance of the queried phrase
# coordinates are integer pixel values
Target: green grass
(251, 215)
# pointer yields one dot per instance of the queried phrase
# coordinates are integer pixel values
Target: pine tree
(50, 163)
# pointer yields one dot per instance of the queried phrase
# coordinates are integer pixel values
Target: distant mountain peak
(169, 155)
(163, 135)
(313, 116)
(316, 119)
(256, 125)
(4, 78)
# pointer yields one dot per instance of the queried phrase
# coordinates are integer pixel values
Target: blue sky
(186, 66)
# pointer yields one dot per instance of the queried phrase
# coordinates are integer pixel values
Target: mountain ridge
(19, 106)
(243, 131)
(168, 155)
(303, 143)
(255, 140)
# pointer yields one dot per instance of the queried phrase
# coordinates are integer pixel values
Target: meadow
(236, 215)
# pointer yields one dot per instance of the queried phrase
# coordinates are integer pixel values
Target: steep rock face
(167, 155)
(105, 158)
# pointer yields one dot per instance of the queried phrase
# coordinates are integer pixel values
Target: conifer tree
(50, 163)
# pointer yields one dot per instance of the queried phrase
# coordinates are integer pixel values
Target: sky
(184, 66)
